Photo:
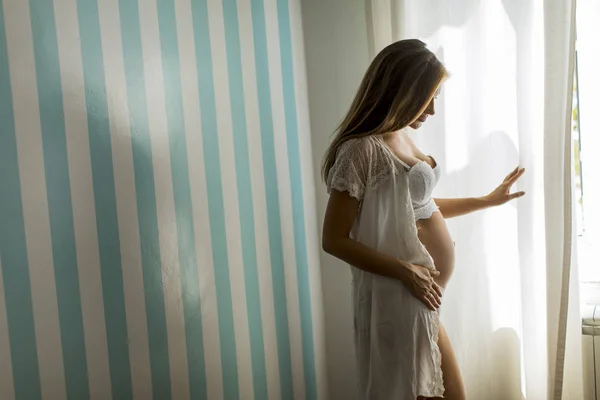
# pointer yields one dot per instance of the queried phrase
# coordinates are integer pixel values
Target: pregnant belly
(434, 235)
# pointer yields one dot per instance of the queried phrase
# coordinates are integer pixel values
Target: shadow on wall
(490, 358)
(506, 353)
(490, 361)
(471, 302)
(470, 308)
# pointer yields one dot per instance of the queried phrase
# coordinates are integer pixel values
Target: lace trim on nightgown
(359, 164)
(437, 385)
(342, 185)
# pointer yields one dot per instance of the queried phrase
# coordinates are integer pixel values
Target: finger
(429, 304)
(435, 298)
(434, 272)
(516, 195)
(516, 176)
(508, 183)
(431, 297)
(511, 174)
(514, 171)
(438, 289)
(424, 298)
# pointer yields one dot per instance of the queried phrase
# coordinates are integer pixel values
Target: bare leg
(455, 389)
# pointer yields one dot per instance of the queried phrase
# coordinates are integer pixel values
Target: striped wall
(157, 216)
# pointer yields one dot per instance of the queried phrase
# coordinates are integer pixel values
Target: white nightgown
(395, 333)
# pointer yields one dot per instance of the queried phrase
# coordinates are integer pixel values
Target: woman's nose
(431, 109)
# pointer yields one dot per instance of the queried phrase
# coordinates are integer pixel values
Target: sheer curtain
(511, 309)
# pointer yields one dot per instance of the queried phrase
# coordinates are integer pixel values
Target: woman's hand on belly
(422, 285)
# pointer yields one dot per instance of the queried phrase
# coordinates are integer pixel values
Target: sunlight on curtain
(501, 307)
(588, 49)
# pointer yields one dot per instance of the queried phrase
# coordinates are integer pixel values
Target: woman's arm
(451, 208)
(339, 218)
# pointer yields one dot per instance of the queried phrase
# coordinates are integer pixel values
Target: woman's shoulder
(365, 146)
(368, 154)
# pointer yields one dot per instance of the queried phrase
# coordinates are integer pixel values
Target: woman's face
(430, 110)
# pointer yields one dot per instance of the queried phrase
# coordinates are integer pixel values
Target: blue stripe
(272, 197)
(59, 198)
(188, 265)
(210, 140)
(246, 208)
(293, 150)
(13, 249)
(105, 199)
(146, 199)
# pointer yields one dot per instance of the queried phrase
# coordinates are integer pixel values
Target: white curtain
(511, 309)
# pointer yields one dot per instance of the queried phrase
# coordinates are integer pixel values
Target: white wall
(336, 56)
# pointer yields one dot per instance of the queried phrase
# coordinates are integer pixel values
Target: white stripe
(259, 199)
(35, 203)
(309, 198)
(195, 156)
(230, 198)
(285, 197)
(131, 259)
(82, 196)
(157, 120)
(7, 390)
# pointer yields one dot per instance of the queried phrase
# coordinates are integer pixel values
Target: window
(586, 152)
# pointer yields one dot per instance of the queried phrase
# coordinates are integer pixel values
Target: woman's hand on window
(502, 194)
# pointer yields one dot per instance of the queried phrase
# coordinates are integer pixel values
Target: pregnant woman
(382, 220)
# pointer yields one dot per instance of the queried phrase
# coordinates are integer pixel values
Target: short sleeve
(350, 171)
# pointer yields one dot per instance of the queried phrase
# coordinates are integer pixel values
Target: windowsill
(589, 284)
(590, 308)
(590, 293)
(587, 257)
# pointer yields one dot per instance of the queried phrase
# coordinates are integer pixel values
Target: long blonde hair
(396, 89)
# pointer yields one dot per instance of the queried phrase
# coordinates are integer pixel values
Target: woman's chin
(416, 125)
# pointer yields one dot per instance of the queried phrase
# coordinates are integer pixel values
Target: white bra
(421, 181)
